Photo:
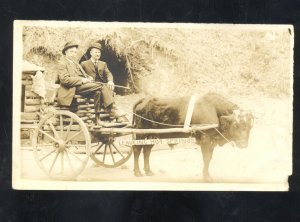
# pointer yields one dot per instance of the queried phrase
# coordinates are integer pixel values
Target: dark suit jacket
(69, 75)
(104, 75)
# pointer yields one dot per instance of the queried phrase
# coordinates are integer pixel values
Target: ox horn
(249, 116)
(236, 114)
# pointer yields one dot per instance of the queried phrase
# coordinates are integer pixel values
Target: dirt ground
(268, 158)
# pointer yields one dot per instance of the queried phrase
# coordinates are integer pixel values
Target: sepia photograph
(152, 106)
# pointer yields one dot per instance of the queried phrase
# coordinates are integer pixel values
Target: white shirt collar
(94, 61)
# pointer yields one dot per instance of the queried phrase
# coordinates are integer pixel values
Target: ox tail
(134, 111)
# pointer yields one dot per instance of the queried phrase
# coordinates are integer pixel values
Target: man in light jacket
(73, 80)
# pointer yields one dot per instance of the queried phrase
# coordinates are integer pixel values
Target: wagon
(65, 138)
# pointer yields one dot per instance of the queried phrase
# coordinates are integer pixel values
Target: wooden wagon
(65, 138)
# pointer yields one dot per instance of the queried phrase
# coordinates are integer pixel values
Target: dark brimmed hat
(95, 45)
(69, 45)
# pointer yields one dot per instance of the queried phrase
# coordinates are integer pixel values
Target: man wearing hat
(73, 80)
(97, 69)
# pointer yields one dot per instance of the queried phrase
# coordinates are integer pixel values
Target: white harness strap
(190, 111)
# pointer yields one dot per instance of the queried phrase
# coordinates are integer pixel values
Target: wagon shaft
(157, 131)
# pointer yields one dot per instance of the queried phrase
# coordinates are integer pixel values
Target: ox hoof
(138, 174)
(149, 173)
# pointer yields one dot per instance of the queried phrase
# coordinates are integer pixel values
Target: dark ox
(234, 124)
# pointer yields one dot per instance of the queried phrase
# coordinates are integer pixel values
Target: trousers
(101, 94)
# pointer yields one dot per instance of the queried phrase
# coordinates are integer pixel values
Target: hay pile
(177, 61)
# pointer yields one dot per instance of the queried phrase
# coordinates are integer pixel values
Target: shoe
(114, 112)
(98, 120)
(122, 119)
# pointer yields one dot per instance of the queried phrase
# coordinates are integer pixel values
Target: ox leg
(207, 149)
(136, 153)
(147, 151)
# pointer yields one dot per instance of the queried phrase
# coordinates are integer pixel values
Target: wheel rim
(61, 145)
(110, 152)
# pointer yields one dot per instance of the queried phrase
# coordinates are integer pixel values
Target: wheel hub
(61, 145)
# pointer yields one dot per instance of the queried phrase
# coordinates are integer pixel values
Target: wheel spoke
(61, 126)
(119, 154)
(45, 145)
(53, 162)
(54, 130)
(76, 146)
(68, 150)
(104, 153)
(68, 159)
(76, 134)
(69, 128)
(48, 154)
(46, 134)
(111, 153)
(62, 163)
(118, 150)
(100, 146)
(95, 144)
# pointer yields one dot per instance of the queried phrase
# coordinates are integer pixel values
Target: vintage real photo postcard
(152, 106)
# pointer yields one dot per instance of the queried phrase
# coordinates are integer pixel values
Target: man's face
(95, 54)
(71, 53)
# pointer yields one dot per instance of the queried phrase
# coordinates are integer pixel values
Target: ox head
(236, 127)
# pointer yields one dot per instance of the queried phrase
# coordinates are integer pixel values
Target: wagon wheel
(61, 145)
(112, 151)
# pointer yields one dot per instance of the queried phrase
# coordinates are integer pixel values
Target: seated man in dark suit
(97, 69)
(73, 80)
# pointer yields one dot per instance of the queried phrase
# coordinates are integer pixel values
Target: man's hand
(86, 80)
(91, 78)
(111, 85)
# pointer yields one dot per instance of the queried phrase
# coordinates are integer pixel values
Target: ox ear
(225, 122)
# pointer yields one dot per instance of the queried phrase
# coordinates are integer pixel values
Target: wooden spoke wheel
(112, 151)
(61, 145)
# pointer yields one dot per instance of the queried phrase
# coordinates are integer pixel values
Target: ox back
(171, 112)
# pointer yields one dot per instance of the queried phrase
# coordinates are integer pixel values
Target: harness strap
(190, 110)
